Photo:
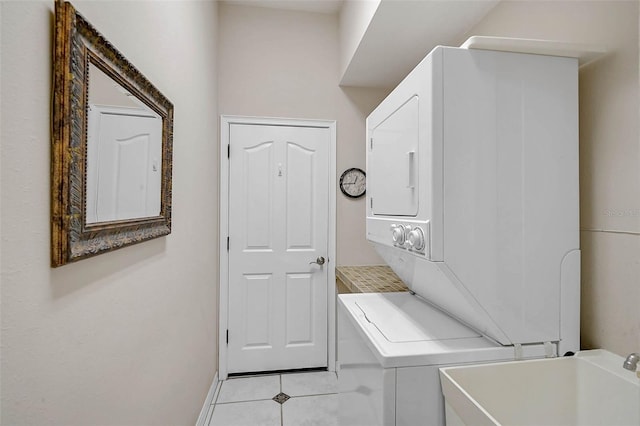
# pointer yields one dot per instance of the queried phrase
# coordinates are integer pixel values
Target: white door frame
(223, 299)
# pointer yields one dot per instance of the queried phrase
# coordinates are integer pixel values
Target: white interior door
(277, 227)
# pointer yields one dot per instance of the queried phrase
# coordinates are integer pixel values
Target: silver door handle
(319, 261)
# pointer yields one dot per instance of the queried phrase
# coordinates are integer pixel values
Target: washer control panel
(398, 234)
(415, 239)
(408, 237)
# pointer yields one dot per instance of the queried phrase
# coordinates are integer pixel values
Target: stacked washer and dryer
(472, 199)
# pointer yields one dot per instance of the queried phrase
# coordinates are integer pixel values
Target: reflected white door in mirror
(124, 153)
(123, 164)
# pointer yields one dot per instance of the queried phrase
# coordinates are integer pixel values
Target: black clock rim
(357, 169)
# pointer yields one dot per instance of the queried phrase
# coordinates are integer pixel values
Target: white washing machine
(390, 347)
(472, 199)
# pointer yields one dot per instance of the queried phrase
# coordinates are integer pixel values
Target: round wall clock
(353, 183)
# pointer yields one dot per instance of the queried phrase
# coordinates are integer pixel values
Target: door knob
(319, 261)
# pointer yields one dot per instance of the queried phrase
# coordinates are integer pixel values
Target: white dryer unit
(472, 199)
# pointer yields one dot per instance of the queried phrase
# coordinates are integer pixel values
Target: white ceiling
(319, 6)
(402, 33)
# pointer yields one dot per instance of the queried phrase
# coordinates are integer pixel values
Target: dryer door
(393, 162)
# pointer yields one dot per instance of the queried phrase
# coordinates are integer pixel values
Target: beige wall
(278, 63)
(609, 154)
(127, 337)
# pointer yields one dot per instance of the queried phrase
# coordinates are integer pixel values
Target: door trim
(223, 298)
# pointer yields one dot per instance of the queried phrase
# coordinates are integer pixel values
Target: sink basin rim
(505, 399)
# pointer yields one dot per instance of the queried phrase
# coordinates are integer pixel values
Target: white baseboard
(207, 407)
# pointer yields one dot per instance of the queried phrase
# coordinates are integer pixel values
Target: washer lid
(409, 319)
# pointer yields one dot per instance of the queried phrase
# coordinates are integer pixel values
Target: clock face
(353, 183)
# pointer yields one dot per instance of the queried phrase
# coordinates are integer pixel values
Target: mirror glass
(124, 153)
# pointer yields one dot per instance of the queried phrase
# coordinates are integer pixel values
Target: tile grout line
(281, 405)
(212, 407)
(217, 392)
(314, 394)
(244, 400)
(207, 420)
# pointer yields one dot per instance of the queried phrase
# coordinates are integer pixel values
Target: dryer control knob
(398, 234)
(416, 239)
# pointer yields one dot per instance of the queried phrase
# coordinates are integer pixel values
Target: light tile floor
(249, 401)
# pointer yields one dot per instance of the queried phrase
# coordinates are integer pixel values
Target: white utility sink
(590, 388)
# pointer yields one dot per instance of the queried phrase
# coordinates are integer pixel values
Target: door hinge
(227, 337)
(371, 203)
(371, 140)
(228, 150)
(227, 243)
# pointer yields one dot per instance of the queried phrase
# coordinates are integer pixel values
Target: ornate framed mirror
(111, 146)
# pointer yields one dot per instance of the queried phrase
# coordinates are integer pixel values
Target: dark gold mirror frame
(77, 44)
